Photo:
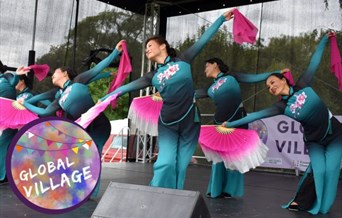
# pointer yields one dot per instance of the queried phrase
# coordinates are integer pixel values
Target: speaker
(122, 200)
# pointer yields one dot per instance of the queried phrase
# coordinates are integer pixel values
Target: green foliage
(107, 28)
(280, 52)
(101, 31)
(99, 88)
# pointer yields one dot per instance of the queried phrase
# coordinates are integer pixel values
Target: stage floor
(264, 194)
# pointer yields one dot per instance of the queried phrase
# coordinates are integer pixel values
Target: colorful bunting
(75, 149)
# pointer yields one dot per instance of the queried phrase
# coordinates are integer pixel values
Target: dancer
(322, 135)
(179, 124)
(74, 98)
(8, 81)
(226, 94)
(24, 91)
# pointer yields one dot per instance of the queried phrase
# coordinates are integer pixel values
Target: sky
(53, 22)
(283, 17)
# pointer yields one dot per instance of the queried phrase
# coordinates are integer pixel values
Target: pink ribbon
(289, 77)
(335, 61)
(243, 29)
(40, 70)
(125, 67)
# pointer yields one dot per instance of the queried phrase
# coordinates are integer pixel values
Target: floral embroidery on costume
(23, 97)
(298, 104)
(167, 74)
(219, 83)
(65, 95)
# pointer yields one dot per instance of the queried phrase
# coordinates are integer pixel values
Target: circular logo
(260, 127)
(53, 165)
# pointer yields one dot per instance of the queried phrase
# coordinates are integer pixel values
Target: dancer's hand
(331, 34)
(224, 124)
(22, 70)
(98, 101)
(21, 101)
(119, 45)
(229, 14)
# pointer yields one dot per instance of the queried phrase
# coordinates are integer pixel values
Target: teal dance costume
(322, 137)
(226, 94)
(25, 94)
(7, 90)
(179, 124)
(75, 99)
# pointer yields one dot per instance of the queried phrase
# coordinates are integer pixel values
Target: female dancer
(7, 90)
(226, 94)
(179, 124)
(25, 92)
(322, 135)
(74, 98)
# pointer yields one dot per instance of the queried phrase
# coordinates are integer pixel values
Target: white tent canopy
(118, 125)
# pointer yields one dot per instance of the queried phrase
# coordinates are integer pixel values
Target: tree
(326, 2)
(281, 52)
(107, 28)
(101, 31)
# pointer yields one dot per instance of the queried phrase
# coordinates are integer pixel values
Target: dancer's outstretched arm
(306, 78)
(268, 112)
(49, 110)
(90, 74)
(138, 84)
(194, 50)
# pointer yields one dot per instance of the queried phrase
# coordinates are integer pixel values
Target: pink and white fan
(13, 115)
(88, 117)
(239, 149)
(144, 114)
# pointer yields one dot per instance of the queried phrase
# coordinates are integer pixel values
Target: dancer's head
(157, 49)
(277, 84)
(61, 75)
(214, 66)
(23, 83)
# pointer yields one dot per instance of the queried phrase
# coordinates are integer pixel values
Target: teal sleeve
(268, 112)
(12, 78)
(138, 84)
(253, 78)
(43, 96)
(45, 102)
(315, 61)
(88, 75)
(99, 76)
(49, 110)
(193, 51)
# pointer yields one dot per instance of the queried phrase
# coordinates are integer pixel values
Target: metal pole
(75, 36)
(32, 52)
(34, 25)
(258, 55)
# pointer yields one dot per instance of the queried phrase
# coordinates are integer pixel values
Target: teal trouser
(99, 130)
(325, 166)
(177, 143)
(5, 140)
(223, 180)
(325, 163)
